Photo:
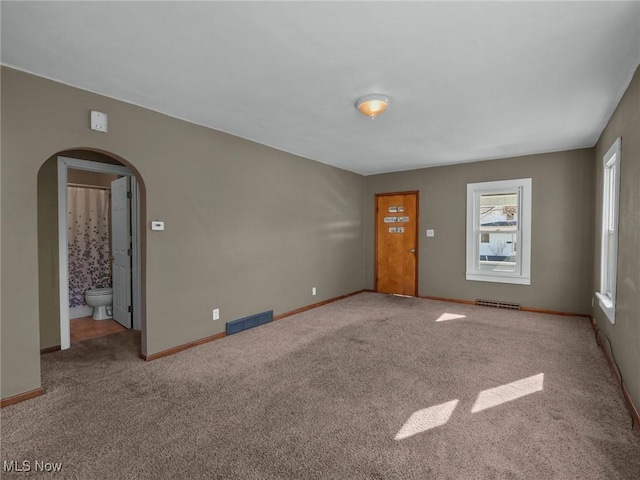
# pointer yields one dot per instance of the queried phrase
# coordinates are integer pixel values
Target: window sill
(606, 305)
(483, 277)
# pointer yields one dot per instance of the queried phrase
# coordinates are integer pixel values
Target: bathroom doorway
(111, 264)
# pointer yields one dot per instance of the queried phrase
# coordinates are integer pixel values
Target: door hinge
(130, 309)
(128, 194)
(129, 252)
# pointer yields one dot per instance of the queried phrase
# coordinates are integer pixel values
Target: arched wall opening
(49, 244)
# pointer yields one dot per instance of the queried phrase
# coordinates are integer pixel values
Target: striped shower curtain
(88, 241)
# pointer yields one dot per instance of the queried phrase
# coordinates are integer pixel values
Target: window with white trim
(609, 252)
(499, 231)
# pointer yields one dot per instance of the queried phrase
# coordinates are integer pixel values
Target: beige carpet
(372, 386)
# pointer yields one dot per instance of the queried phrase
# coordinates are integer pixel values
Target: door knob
(413, 250)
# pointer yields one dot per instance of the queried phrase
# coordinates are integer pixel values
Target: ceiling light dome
(372, 105)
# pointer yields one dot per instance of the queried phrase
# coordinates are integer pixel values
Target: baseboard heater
(251, 321)
(496, 304)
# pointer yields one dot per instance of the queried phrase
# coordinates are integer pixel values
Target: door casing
(63, 260)
(417, 247)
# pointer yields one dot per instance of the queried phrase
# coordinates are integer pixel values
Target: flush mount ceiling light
(372, 105)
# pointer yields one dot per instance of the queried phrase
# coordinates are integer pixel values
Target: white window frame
(610, 217)
(522, 187)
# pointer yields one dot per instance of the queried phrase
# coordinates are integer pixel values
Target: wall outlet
(313, 290)
(216, 314)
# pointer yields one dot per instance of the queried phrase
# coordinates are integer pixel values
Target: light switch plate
(431, 232)
(156, 225)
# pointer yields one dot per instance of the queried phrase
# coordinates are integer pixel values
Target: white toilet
(99, 299)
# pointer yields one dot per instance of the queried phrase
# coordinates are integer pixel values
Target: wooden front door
(397, 243)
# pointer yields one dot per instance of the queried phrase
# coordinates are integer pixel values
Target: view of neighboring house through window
(498, 223)
(609, 251)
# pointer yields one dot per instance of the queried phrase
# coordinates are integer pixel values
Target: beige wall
(562, 223)
(625, 334)
(48, 279)
(247, 228)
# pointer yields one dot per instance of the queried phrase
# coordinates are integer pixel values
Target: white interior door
(121, 250)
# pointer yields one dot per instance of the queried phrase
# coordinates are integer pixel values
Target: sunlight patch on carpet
(426, 419)
(449, 316)
(506, 393)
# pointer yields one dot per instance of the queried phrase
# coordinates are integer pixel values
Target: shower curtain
(88, 241)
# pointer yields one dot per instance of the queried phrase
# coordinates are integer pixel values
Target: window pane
(612, 196)
(499, 211)
(499, 254)
(611, 247)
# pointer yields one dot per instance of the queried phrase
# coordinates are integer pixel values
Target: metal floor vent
(496, 304)
(251, 321)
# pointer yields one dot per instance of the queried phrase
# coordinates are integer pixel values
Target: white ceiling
(468, 81)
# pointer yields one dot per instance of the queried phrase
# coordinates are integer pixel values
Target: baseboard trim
(316, 305)
(450, 300)
(217, 336)
(633, 411)
(632, 408)
(554, 312)
(55, 348)
(184, 346)
(522, 309)
(80, 312)
(21, 397)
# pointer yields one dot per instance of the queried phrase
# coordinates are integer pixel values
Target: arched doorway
(53, 247)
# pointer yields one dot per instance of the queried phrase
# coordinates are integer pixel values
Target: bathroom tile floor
(86, 328)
